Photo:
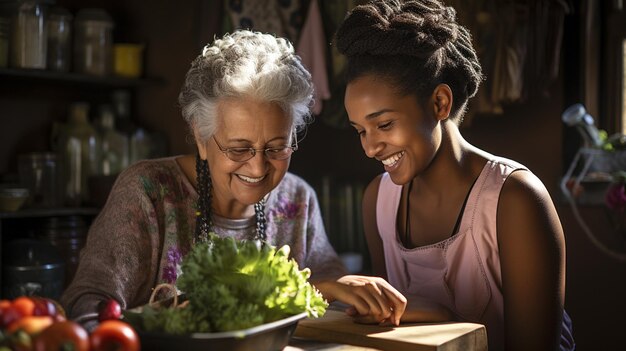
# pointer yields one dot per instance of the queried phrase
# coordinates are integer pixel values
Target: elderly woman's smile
(249, 179)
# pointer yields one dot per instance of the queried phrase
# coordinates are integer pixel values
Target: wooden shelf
(69, 77)
(50, 212)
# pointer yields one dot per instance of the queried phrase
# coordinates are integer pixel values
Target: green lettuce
(233, 285)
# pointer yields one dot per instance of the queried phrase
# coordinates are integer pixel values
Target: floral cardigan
(147, 226)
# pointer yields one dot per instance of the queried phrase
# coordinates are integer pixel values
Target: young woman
(462, 233)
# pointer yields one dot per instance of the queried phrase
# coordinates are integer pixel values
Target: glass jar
(68, 235)
(40, 173)
(93, 46)
(30, 34)
(59, 39)
(79, 150)
(115, 149)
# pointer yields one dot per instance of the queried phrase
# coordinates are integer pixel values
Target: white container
(30, 34)
(93, 42)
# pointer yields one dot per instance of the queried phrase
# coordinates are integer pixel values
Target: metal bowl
(265, 337)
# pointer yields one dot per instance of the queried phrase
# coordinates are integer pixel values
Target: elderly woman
(244, 99)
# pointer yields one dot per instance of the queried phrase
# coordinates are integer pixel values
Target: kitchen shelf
(50, 212)
(69, 77)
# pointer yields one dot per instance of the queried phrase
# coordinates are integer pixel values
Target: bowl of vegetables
(238, 295)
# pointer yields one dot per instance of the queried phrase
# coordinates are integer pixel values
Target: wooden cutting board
(336, 326)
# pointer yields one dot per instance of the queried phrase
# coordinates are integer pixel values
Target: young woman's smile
(391, 162)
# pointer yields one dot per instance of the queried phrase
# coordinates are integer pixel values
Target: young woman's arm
(532, 258)
(374, 243)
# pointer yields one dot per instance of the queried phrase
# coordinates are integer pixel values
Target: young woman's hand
(372, 299)
(418, 310)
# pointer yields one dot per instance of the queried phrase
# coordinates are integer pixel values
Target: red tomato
(25, 305)
(109, 309)
(44, 307)
(5, 303)
(65, 335)
(114, 335)
(31, 324)
(8, 315)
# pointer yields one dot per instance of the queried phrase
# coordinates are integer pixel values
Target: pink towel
(312, 50)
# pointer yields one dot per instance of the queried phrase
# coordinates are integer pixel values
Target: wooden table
(297, 344)
(336, 331)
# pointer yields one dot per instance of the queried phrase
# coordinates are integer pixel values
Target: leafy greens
(233, 285)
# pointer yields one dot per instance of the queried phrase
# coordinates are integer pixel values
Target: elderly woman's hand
(372, 299)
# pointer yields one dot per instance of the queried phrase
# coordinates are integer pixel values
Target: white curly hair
(245, 64)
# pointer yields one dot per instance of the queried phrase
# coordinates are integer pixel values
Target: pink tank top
(462, 272)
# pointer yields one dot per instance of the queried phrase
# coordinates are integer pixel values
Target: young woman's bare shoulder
(525, 209)
(523, 188)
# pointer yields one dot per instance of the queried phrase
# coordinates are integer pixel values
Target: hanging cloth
(312, 50)
(282, 18)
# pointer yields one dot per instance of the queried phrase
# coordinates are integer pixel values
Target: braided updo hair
(415, 45)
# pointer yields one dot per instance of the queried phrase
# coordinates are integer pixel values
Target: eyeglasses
(243, 154)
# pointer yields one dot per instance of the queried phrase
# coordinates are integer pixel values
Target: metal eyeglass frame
(253, 151)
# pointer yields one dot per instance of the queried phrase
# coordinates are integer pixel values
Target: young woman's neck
(452, 161)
